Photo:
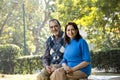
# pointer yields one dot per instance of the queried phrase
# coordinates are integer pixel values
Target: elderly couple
(67, 55)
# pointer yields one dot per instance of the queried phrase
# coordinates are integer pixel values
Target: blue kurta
(75, 53)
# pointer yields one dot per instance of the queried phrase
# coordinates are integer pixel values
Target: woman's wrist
(64, 65)
(74, 69)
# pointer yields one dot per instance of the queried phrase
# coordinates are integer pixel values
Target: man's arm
(46, 57)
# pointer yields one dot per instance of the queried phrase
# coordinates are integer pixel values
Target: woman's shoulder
(81, 40)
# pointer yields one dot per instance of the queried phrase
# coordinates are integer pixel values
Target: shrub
(8, 54)
(28, 64)
(106, 60)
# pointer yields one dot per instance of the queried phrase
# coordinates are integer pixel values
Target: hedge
(8, 55)
(11, 62)
(107, 60)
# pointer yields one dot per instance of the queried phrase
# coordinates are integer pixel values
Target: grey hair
(56, 21)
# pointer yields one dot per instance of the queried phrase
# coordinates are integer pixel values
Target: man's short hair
(56, 21)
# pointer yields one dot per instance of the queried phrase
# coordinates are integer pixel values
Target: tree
(99, 18)
(36, 16)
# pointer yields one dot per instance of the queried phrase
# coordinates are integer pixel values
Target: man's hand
(48, 69)
(53, 69)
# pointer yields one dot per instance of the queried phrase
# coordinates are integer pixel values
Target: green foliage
(99, 18)
(12, 63)
(11, 24)
(8, 54)
(108, 59)
(28, 64)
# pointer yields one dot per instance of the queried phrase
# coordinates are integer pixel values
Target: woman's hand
(67, 68)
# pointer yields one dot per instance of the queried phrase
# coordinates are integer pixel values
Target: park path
(96, 75)
(33, 77)
(103, 77)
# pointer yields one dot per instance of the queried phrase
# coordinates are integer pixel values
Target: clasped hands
(50, 69)
(69, 72)
(68, 69)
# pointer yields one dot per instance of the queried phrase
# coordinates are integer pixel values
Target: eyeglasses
(55, 26)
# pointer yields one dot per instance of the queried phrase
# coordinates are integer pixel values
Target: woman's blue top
(77, 52)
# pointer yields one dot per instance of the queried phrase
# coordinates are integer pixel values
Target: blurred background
(24, 30)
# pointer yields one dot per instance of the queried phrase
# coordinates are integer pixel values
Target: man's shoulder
(49, 39)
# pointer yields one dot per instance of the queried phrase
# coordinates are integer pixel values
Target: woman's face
(71, 32)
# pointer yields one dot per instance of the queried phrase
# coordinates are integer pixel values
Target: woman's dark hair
(77, 37)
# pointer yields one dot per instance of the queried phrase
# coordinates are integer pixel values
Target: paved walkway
(101, 75)
(98, 77)
(94, 76)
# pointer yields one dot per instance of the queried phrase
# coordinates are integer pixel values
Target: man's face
(54, 28)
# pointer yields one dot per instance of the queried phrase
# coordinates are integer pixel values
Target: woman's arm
(79, 66)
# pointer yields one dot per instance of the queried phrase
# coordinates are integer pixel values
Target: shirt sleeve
(85, 51)
(64, 60)
(46, 57)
